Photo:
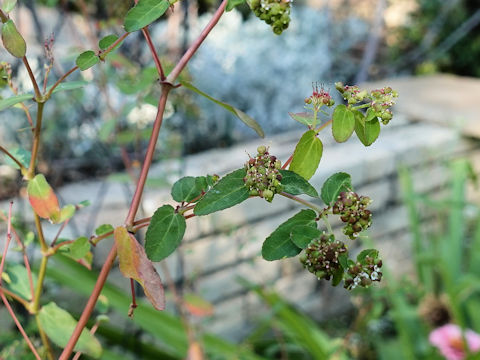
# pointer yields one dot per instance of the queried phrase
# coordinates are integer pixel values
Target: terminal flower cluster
(363, 274)
(319, 98)
(353, 211)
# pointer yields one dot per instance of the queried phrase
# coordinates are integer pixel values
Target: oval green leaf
(334, 185)
(59, 325)
(108, 40)
(86, 60)
(373, 253)
(343, 123)
(307, 155)
(144, 13)
(103, 229)
(302, 235)
(247, 120)
(367, 131)
(279, 245)
(294, 184)
(76, 250)
(13, 40)
(15, 278)
(188, 188)
(8, 5)
(229, 191)
(164, 233)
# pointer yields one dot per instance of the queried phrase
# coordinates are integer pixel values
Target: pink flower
(448, 339)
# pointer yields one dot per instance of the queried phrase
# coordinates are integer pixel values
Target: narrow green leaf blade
(302, 235)
(69, 85)
(334, 185)
(279, 244)
(164, 233)
(343, 123)
(307, 155)
(8, 102)
(144, 13)
(294, 184)
(367, 131)
(59, 325)
(247, 120)
(22, 155)
(86, 60)
(229, 191)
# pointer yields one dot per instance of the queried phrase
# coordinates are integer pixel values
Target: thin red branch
(38, 94)
(63, 77)
(133, 305)
(289, 160)
(156, 59)
(65, 223)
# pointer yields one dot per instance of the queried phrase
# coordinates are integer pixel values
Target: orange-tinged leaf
(197, 305)
(135, 264)
(42, 198)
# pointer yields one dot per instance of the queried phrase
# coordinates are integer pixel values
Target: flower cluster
(352, 209)
(380, 101)
(362, 273)
(275, 13)
(263, 177)
(319, 98)
(321, 257)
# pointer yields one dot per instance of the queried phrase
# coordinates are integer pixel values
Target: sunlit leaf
(367, 131)
(343, 123)
(334, 185)
(144, 13)
(135, 264)
(307, 155)
(294, 184)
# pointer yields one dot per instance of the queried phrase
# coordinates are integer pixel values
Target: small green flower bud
(261, 149)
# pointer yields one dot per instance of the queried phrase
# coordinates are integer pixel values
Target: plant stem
(63, 77)
(156, 59)
(38, 290)
(36, 141)
(38, 94)
(301, 201)
(323, 126)
(82, 322)
(327, 224)
(44, 338)
(3, 16)
(15, 297)
(289, 160)
(6, 152)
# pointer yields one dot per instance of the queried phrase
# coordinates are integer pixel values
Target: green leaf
(367, 131)
(343, 123)
(59, 325)
(343, 260)
(69, 85)
(13, 40)
(8, 5)
(86, 60)
(302, 235)
(233, 3)
(76, 250)
(294, 184)
(107, 41)
(66, 213)
(188, 188)
(279, 244)
(134, 264)
(164, 233)
(371, 115)
(373, 253)
(334, 185)
(303, 118)
(22, 155)
(144, 13)
(8, 102)
(307, 155)
(103, 229)
(15, 279)
(338, 276)
(247, 120)
(229, 191)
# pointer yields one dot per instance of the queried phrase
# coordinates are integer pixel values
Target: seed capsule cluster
(353, 211)
(263, 177)
(363, 274)
(275, 13)
(321, 257)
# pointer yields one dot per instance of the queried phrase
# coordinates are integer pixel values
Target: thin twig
(20, 165)
(156, 59)
(38, 94)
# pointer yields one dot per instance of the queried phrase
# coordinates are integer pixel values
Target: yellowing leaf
(135, 264)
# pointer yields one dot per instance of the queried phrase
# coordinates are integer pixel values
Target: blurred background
(421, 173)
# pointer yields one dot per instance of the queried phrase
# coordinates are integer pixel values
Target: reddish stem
(38, 94)
(133, 305)
(7, 243)
(156, 59)
(65, 223)
(64, 76)
(289, 160)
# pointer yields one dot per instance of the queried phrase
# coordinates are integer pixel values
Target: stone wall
(220, 248)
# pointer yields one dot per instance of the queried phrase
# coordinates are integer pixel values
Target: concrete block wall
(219, 248)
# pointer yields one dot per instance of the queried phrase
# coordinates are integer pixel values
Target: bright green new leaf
(233, 3)
(188, 188)
(303, 118)
(59, 326)
(247, 120)
(334, 185)
(15, 278)
(373, 253)
(370, 115)
(302, 235)
(133, 263)
(279, 244)
(367, 131)
(22, 155)
(307, 155)
(294, 184)
(103, 229)
(76, 250)
(343, 123)
(164, 233)
(66, 213)
(13, 40)
(144, 13)
(8, 102)
(229, 191)
(107, 41)
(8, 5)
(86, 60)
